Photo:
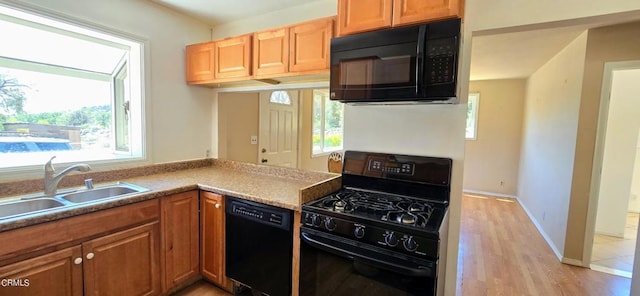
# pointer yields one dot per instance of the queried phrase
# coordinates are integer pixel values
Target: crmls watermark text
(14, 283)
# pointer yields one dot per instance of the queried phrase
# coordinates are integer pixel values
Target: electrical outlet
(254, 140)
(501, 183)
(207, 153)
(544, 215)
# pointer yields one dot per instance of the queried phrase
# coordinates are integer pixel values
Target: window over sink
(69, 89)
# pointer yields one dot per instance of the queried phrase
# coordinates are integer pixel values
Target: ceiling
(518, 54)
(495, 56)
(216, 12)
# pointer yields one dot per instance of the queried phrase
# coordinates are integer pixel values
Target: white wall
(178, 116)
(491, 160)
(283, 17)
(634, 199)
(428, 130)
(620, 146)
(499, 14)
(549, 138)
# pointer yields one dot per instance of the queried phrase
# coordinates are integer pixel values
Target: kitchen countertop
(281, 187)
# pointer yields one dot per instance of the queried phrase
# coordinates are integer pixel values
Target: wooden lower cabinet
(212, 249)
(56, 274)
(123, 263)
(180, 239)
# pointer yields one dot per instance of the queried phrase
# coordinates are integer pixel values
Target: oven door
(336, 266)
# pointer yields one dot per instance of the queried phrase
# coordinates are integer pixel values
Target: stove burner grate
(389, 208)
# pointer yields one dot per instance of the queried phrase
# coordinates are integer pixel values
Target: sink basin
(102, 192)
(28, 206)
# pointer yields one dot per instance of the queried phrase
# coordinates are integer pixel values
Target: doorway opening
(616, 176)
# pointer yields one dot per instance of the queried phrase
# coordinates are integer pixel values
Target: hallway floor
(502, 253)
(613, 254)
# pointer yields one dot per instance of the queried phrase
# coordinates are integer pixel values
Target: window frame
(139, 132)
(474, 104)
(323, 105)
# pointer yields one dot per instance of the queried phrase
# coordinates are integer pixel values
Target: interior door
(278, 141)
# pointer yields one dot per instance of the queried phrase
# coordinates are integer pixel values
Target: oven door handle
(406, 270)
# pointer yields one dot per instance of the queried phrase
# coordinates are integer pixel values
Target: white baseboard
(618, 235)
(611, 271)
(571, 261)
(543, 233)
(489, 193)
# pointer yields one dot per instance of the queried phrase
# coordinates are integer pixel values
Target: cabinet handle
(90, 256)
(217, 206)
(77, 261)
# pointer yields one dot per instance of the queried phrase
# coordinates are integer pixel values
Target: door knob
(264, 160)
(263, 150)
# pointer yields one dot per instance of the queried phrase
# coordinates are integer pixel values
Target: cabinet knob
(90, 256)
(77, 261)
(217, 206)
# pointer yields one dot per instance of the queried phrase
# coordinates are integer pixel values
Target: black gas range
(388, 216)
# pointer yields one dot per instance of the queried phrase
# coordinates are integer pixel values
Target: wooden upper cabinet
(57, 274)
(123, 263)
(363, 15)
(212, 236)
(270, 52)
(309, 45)
(355, 16)
(199, 63)
(232, 57)
(180, 238)
(418, 11)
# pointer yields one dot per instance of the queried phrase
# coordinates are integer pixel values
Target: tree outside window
(328, 121)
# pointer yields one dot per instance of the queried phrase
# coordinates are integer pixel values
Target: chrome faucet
(51, 180)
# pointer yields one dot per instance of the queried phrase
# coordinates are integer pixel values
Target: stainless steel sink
(37, 204)
(28, 206)
(103, 192)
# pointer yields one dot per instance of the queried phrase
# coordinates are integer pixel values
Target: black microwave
(415, 63)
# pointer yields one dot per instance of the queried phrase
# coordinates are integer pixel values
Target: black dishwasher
(259, 246)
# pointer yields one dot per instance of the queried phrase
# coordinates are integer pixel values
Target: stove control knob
(330, 224)
(410, 244)
(315, 220)
(391, 239)
(359, 232)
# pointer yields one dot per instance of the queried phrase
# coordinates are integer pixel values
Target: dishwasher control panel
(258, 212)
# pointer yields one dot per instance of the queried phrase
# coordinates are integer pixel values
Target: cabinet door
(310, 45)
(270, 52)
(419, 11)
(180, 238)
(123, 263)
(232, 57)
(363, 15)
(58, 273)
(199, 64)
(212, 238)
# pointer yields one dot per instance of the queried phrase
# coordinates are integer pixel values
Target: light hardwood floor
(502, 253)
(615, 254)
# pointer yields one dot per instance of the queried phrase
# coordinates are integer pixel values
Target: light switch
(254, 140)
